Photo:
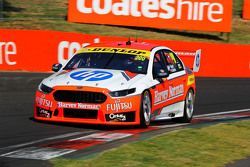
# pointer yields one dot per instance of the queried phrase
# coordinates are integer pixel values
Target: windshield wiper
(69, 68)
(109, 61)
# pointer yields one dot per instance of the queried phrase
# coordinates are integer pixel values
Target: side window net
(158, 65)
(173, 62)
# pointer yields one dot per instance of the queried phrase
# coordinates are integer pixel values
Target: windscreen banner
(38, 50)
(202, 15)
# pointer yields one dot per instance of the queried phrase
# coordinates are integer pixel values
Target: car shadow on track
(103, 127)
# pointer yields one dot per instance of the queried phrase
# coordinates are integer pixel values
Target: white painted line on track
(212, 115)
(222, 113)
(37, 153)
(219, 117)
(46, 139)
(104, 136)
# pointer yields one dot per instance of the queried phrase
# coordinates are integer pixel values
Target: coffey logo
(91, 75)
(117, 117)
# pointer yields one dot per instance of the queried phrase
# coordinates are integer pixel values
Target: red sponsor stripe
(76, 144)
(136, 131)
(200, 120)
(130, 74)
(242, 114)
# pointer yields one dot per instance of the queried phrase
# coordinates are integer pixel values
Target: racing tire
(188, 108)
(145, 110)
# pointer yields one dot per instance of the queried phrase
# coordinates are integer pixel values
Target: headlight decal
(45, 89)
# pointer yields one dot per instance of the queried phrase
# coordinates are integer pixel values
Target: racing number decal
(140, 58)
(91, 75)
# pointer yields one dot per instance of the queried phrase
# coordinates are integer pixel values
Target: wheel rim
(146, 108)
(190, 104)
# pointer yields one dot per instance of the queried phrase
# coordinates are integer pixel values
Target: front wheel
(145, 111)
(188, 108)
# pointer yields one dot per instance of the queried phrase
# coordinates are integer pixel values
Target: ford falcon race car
(119, 83)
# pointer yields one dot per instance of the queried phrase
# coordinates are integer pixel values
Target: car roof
(126, 44)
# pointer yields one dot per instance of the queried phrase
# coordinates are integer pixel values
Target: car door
(168, 95)
(160, 90)
(176, 81)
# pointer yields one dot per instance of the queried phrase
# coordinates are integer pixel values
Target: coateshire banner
(203, 15)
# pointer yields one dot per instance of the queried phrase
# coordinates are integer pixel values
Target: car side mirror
(56, 67)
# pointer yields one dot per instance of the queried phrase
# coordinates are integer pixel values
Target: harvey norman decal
(78, 106)
(172, 92)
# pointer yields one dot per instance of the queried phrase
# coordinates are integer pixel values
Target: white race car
(119, 83)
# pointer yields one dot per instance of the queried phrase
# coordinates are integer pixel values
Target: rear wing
(191, 59)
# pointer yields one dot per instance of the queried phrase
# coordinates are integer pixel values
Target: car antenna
(136, 37)
(128, 42)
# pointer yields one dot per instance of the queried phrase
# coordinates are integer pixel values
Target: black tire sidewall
(142, 118)
(185, 117)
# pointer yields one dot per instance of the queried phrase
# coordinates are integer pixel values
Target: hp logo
(91, 75)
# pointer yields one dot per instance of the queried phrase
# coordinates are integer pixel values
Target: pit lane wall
(37, 50)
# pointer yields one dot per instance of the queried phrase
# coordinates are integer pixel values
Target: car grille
(77, 113)
(79, 96)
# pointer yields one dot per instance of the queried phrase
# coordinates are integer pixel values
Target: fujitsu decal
(41, 101)
(117, 106)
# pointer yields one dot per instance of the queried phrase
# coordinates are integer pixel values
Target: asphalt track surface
(17, 99)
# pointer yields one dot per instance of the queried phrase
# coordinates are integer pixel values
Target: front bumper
(114, 111)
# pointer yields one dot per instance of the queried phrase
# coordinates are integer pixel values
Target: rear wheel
(145, 111)
(188, 108)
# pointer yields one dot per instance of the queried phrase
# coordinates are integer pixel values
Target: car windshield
(115, 61)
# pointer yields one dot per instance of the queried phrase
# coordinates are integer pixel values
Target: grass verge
(215, 145)
(51, 15)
